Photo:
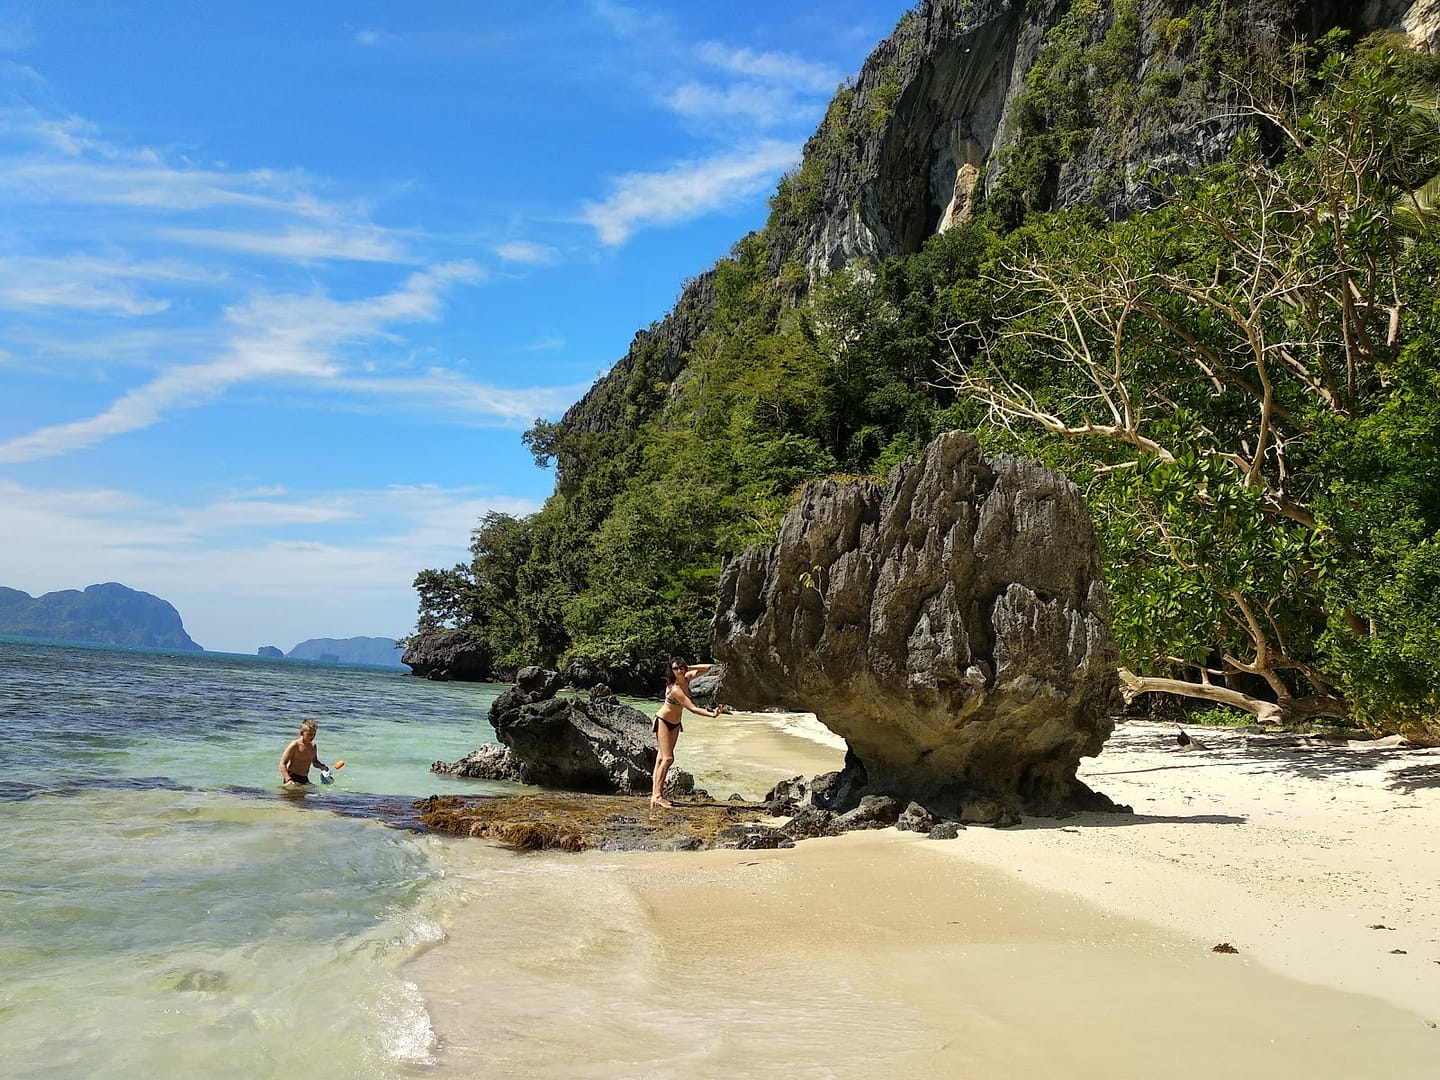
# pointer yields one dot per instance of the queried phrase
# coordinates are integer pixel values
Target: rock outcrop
(443, 655)
(595, 745)
(951, 625)
(488, 762)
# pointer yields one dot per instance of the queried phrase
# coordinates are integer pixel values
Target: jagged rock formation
(574, 744)
(271, 652)
(108, 614)
(443, 655)
(586, 673)
(1419, 20)
(939, 100)
(488, 762)
(951, 625)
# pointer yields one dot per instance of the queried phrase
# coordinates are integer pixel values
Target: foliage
(1241, 379)
(1238, 375)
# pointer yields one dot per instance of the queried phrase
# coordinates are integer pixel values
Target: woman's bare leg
(664, 758)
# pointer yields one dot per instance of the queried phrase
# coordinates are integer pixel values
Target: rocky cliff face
(939, 113)
(940, 106)
(951, 625)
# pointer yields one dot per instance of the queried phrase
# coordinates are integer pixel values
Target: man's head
(308, 729)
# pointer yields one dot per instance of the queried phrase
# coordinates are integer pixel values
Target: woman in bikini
(667, 721)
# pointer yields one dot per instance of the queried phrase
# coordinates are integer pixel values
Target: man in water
(295, 762)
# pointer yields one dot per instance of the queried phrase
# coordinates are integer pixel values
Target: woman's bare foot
(665, 803)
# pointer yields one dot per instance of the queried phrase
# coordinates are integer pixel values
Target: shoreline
(1081, 945)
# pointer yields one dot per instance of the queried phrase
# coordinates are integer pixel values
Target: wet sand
(1080, 948)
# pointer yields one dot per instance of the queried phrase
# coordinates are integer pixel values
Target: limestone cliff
(108, 614)
(942, 114)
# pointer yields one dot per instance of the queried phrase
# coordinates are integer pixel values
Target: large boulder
(640, 680)
(950, 624)
(577, 744)
(449, 654)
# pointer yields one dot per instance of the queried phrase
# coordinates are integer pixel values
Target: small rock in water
(202, 981)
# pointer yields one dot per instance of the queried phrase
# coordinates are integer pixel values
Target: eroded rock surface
(443, 655)
(591, 744)
(951, 625)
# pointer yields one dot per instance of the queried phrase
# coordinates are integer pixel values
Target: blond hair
(308, 725)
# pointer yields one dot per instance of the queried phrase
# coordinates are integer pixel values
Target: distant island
(372, 651)
(108, 614)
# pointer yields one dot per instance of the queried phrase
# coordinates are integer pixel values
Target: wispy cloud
(757, 103)
(440, 390)
(371, 39)
(688, 190)
(361, 244)
(628, 21)
(286, 337)
(777, 69)
(250, 567)
(47, 160)
(523, 251)
(90, 283)
(766, 88)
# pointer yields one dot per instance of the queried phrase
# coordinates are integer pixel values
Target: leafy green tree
(1204, 366)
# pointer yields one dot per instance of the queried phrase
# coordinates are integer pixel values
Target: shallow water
(166, 908)
(163, 908)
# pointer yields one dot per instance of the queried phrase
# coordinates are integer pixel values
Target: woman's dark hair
(670, 669)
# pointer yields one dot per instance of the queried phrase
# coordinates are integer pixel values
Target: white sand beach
(1080, 947)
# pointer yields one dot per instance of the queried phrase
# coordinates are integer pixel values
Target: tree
(1198, 366)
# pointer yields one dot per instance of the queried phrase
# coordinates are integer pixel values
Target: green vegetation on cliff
(108, 614)
(1238, 379)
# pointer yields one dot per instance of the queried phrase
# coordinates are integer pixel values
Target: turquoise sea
(166, 911)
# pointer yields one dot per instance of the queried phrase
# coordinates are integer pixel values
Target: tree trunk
(1267, 712)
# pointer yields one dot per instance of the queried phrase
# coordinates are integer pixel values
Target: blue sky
(281, 285)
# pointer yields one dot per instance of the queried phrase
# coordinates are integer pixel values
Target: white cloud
(522, 251)
(301, 245)
(251, 567)
(628, 21)
(65, 161)
(80, 296)
(688, 190)
(440, 390)
(764, 106)
(276, 337)
(781, 69)
(92, 283)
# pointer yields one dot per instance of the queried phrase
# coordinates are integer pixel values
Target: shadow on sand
(1406, 769)
(1111, 821)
